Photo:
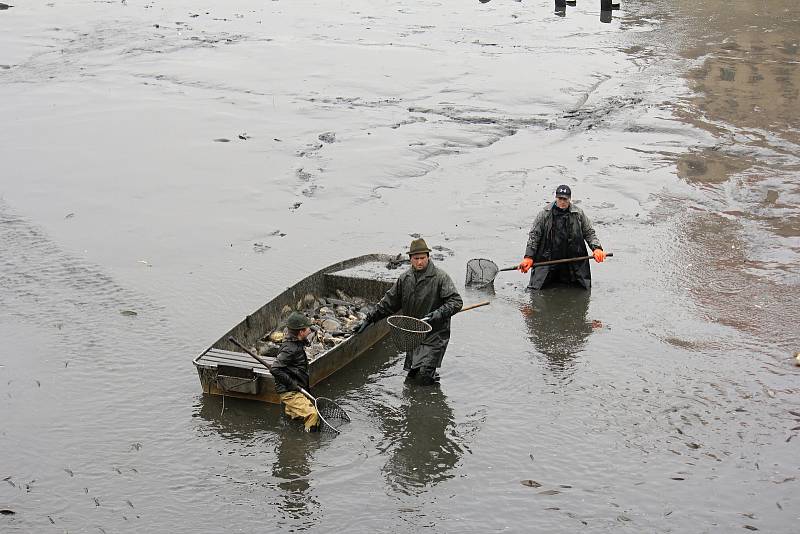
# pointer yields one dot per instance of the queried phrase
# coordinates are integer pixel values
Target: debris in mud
(243, 136)
(295, 206)
(5, 511)
(334, 320)
(399, 261)
(772, 196)
(260, 247)
(596, 323)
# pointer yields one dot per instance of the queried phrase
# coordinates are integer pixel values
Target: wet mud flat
(188, 162)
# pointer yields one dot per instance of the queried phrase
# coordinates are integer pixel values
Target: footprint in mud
(310, 190)
(304, 175)
(327, 137)
(445, 250)
(311, 149)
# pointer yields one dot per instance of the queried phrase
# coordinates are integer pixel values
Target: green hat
(418, 246)
(297, 321)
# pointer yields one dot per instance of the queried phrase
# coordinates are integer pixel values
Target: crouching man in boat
(559, 232)
(427, 293)
(290, 371)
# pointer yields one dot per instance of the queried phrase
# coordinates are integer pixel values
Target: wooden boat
(225, 370)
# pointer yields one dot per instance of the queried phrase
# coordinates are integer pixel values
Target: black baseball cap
(563, 191)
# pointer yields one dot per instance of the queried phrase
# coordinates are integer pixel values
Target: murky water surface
(168, 167)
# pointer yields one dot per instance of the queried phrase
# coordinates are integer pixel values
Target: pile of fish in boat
(335, 319)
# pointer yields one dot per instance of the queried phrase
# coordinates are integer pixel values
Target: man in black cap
(425, 292)
(559, 232)
(290, 371)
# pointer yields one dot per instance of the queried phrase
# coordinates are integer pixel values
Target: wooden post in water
(605, 11)
(615, 4)
(561, 8)
(572, 2)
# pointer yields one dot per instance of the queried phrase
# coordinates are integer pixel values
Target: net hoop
(331, 415)
(407, 332)
(481, 272)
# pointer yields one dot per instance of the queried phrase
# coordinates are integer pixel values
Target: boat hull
(224, 370)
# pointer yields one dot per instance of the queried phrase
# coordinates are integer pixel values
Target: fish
(530, 483)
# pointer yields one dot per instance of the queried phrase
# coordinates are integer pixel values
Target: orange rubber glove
(599, 255)
(525, 265)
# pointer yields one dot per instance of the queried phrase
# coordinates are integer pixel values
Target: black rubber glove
(432, 317)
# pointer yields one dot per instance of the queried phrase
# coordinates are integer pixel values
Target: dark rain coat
(291, 366)
(417, 295)
(543, 245)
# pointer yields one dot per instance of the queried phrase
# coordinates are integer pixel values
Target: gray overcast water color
(133, 236)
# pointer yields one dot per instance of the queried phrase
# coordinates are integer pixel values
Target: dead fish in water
(4, 6)
(7, 512)
(222, 140)
(530, 483)
(128, 313)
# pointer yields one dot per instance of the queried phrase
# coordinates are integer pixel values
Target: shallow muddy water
(166, 168)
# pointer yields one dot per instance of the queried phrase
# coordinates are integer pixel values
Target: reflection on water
(292, 468)
(243, 421)
(422, 431)
(557, 324)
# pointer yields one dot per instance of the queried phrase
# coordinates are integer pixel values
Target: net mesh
(407, 332)
(331, 415)
(481, 272)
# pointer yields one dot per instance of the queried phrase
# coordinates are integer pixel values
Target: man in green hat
(425, 292)
(290, 371)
